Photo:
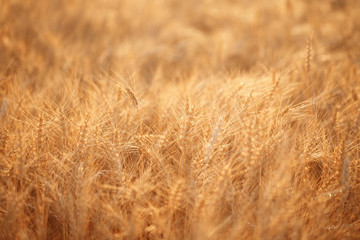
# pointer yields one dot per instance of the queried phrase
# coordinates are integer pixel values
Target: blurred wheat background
(170, 119)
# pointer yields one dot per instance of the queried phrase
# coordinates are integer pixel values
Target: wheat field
(167, 119)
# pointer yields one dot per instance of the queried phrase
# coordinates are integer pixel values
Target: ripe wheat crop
(170, 119)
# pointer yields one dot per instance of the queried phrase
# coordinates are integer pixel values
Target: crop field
(180, 119)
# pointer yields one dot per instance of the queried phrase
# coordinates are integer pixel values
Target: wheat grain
(255, 139)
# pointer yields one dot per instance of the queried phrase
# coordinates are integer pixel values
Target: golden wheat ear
(132, 96)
